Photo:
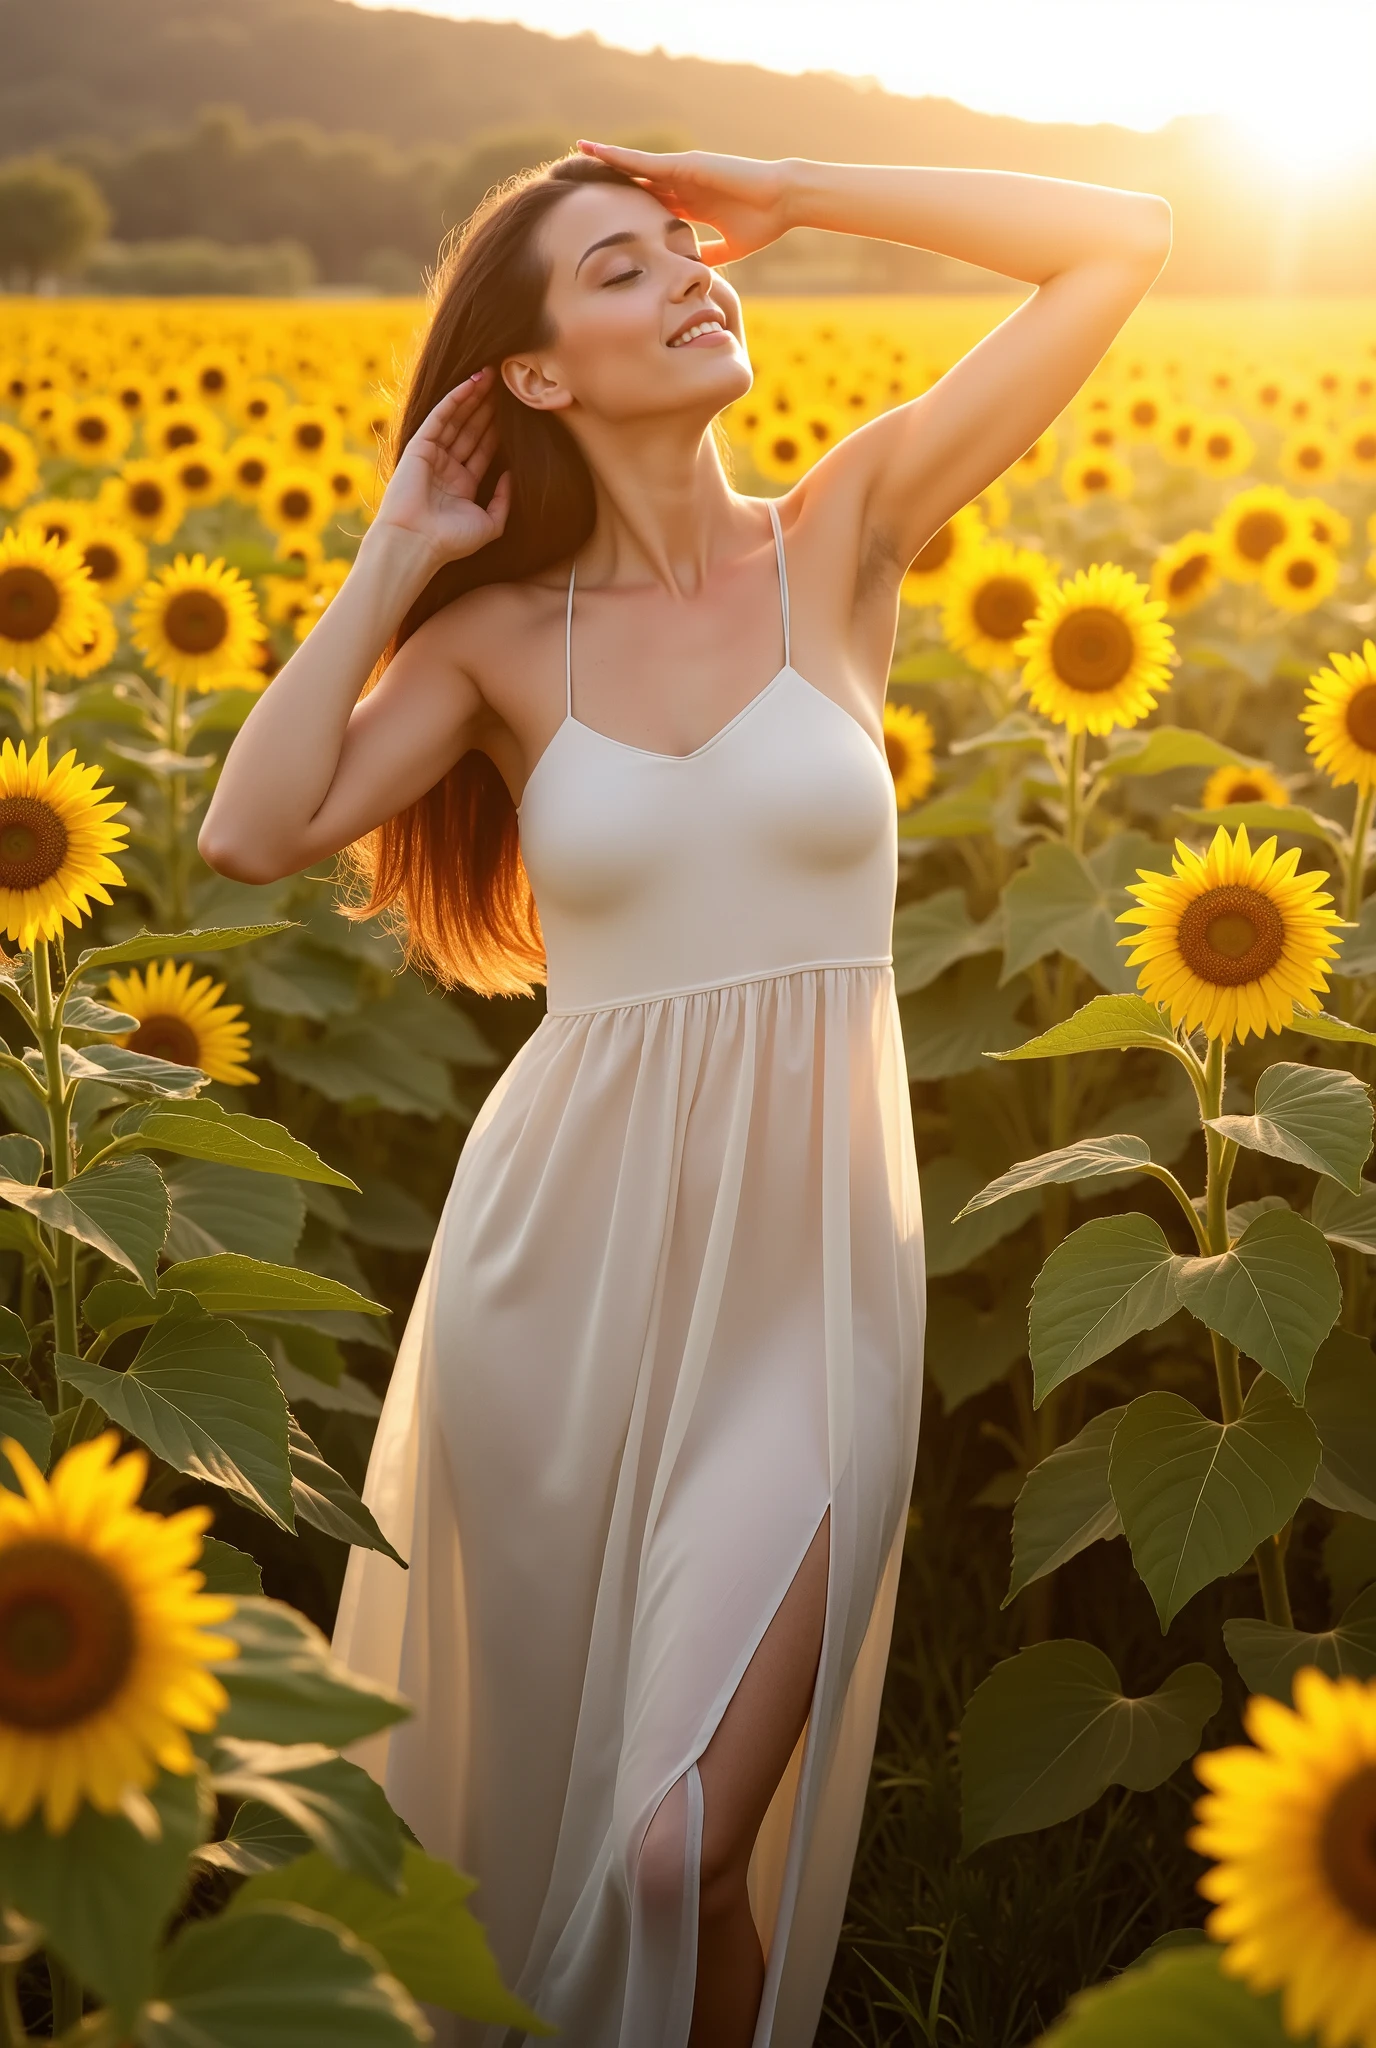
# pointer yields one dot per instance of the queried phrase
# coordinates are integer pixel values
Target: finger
(471, 430)
(455, 406)
(480, 461)
(500, 502)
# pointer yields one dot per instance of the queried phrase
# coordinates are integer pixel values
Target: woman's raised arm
(1091, 251)
(312, 768)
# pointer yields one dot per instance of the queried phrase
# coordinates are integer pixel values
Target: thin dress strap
(783, 574)
(568, 649)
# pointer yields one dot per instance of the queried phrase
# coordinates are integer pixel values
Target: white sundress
(672, 1313)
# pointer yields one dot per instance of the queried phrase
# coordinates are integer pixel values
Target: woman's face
(626, 290)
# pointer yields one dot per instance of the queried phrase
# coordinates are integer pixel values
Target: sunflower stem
(62, 1284)
(176, 865)
(1074, 790)
(1275, 1594)
(1356, 866)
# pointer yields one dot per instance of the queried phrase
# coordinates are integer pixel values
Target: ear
(526, 379)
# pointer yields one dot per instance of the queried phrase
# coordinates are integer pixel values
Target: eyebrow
(627, 235)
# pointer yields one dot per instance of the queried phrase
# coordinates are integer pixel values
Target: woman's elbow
(236, 862)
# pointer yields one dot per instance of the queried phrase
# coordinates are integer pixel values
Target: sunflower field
(1132, 731)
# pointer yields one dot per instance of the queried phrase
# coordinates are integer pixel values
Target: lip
(713, 335)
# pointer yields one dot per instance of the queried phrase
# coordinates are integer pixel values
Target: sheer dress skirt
(672, 1314)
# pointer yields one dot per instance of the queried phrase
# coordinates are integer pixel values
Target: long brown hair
(449, 866)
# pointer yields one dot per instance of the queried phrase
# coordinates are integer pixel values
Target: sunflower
(103, 1643)
(47, 601)
(95, 431)
(1096, 473)
(201, 475)
(1221, 445)
(989, 600)
(1333, 529)
(1187, 572)
(1291, 1825)
(1243, 786)
(172, 429)
(1251, 526)
(261, 404)
(195, 620)
(1178, 434)
(1359, 446)
(1231, 939)
(1309, 456)
(908, 745)
(949, 550)
(184, 1021)
(215, 375)
(100, 646)
(249, 462)
(305, 549)
(18, 467)
(60, 519)
(783, 449)
(1035, 462)
(1340, 714)
(116, 560)
(351, 479)
(994, 504)
(1097, 651)
(56, 837)
(1300, 575)
(1143, 410)
(295, 500)
(148, 498)
(310, 433)
(133, 394)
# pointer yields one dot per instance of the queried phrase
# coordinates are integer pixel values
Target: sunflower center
(937, 551)
(212, 379)
(6, 463)
(1231, 935)
(195, 622)
(1185, 575)
(66, 1635)
(195, 476)
(1360, 717)
(1245, 792)
(1257, 533)
(252, 470)
(1095, 479)
(1003, 606)
(147, 500)
(181, 436)
(166, 1037)
(1301, 574)
(1310, 457)
(29, 603)
(1092, 649)
(297, 504)
(92, 428)
(1347, 1845)
(1219, 446)
(33, 842)
(102, 561)
(309, 435)
(1364, 447)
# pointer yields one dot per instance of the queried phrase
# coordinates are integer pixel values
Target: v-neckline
(656, 754)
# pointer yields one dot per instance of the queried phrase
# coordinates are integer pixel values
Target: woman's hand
(433, 491)
(743, 198)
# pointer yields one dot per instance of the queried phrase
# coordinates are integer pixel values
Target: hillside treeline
(356, 123)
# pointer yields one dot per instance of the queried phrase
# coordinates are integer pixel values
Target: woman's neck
(666, 512)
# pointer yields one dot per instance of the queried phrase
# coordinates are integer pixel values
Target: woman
(649, 1441)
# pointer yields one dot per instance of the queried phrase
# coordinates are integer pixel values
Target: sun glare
(1323, 143)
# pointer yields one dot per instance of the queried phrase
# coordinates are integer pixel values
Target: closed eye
(622, 277)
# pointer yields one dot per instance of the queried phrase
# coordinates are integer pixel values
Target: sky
(1297, 77)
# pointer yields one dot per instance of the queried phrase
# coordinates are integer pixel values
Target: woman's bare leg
(740, 1770)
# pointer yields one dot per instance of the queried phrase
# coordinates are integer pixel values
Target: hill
(80, 72)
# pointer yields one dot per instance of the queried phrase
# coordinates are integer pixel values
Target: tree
(51, 215)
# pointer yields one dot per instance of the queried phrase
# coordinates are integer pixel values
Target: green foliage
(1065, 1504)
(1051, 1729)
(1106, 1282)
(1268, 1655)
(50, 215)
(1312, 1116)
(1275, 1294)
(1181, 1996)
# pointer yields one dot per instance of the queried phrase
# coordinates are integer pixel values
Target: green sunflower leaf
(1268, 1656)
(1105, 1024)
(1276, 1294)
(119, 1208)
(1195, 1496)
(1166, 748)
(1065, 1504)
(1108, 1280)
(1050, 1730)
(207, 1130)
(1090, 1159)
(1180, 1996)
(1340, 1401)
(148, 945)
(1319, 1117)
(1344, 1218)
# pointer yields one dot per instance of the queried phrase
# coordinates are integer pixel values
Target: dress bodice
(771, 847)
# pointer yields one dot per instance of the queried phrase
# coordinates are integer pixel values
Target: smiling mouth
(696, 332)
